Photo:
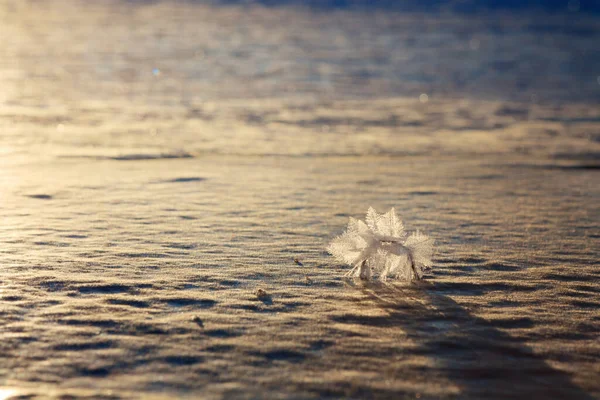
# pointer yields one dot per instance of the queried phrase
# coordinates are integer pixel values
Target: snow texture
(381, 249)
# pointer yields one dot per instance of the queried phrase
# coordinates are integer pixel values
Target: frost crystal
(380, 249)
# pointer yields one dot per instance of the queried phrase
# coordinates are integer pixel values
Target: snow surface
(160, 162)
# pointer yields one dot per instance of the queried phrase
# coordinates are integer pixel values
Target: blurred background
(60, 51)
(446, 5)
(90, 76)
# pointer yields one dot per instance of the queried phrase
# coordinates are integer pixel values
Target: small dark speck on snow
(263, 296)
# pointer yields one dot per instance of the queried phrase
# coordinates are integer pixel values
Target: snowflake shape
(381, 249)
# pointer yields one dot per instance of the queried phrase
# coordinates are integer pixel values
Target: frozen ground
(160, 163)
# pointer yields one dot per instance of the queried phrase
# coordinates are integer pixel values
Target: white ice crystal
(380, 249)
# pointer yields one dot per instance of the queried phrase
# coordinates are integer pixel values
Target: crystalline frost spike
(380, 248)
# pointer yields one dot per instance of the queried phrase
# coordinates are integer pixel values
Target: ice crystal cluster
(381, 249)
